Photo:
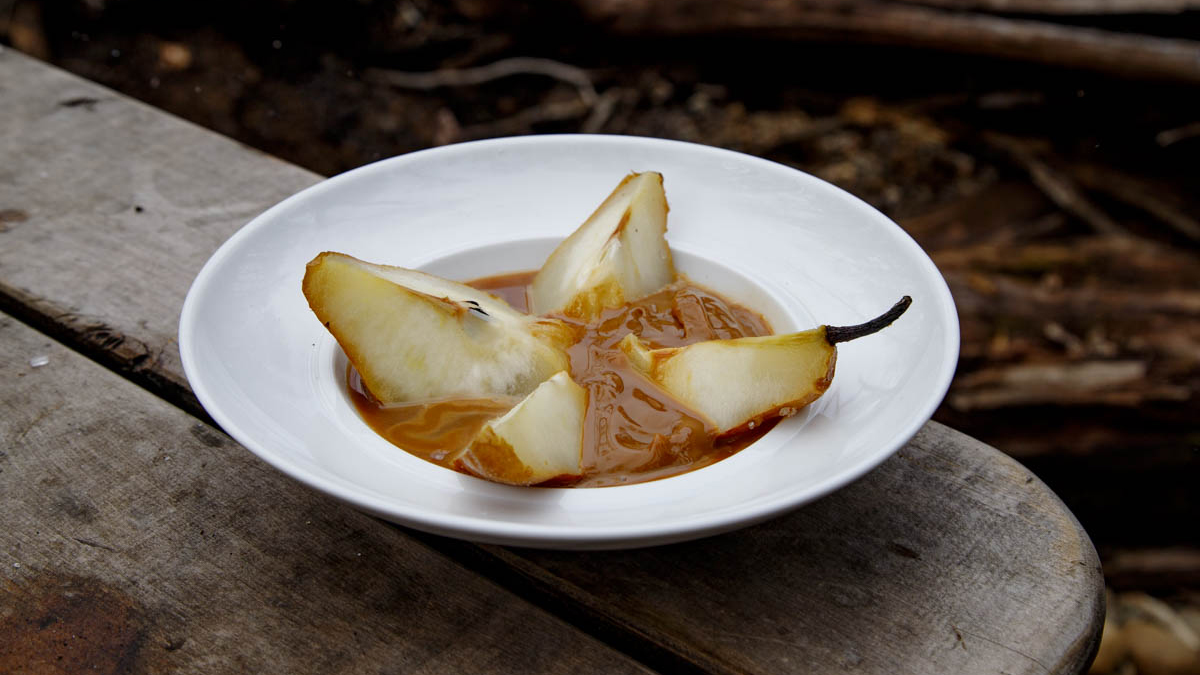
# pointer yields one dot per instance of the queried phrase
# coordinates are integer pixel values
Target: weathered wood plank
(948, 558)
(104, 194)
(134, 538)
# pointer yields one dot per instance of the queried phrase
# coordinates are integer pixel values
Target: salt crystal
(439, 455)
(39, 361)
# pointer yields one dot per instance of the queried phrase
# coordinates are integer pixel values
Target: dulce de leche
(634, 431)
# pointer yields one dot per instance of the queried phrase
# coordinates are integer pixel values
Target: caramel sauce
(634, 432)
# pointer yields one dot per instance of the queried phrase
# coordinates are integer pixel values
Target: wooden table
(136, 536)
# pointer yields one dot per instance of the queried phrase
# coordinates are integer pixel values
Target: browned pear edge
(355, 357)
(493, 458)
(609, 295)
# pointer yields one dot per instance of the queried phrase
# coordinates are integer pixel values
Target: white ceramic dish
(799, 250)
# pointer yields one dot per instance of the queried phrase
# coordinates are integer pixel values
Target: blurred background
(1046, 153)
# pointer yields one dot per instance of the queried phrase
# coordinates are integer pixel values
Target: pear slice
(540, 439)
(740, 383)
(619, 254)
(414, 337)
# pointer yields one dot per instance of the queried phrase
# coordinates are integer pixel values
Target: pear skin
(738, 384)
(414, 337)
(617, 255)
(539, 440)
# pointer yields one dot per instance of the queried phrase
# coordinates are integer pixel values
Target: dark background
(1054, 182)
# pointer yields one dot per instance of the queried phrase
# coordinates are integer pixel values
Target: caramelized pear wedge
(539, 440)
(414, 337)
(739, 384)
(619, 254)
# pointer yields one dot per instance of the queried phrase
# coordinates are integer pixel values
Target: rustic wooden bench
(136, 536)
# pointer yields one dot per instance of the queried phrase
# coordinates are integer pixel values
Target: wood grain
(148, 541)
(949, 558)
(119, 205)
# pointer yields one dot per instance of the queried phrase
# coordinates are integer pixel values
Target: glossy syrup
(633, 432)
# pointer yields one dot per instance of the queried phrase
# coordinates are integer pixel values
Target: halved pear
(414, 337)
(538, 440)
(740, 383)
(619, 254)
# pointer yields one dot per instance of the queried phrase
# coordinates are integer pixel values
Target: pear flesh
(742, 382)
(738, 384)
(540, 439)
(414, 337)
(619, 254)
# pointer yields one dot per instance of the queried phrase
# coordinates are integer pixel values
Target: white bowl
(797, 249)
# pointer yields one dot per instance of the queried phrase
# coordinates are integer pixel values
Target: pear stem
(836, 334)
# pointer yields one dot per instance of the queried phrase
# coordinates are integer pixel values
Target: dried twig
(1165, 616)
(1114, 52)
(469, 77)
(1021, 299)
(1140, 258)
(1173, 136)
(1138, 194)
(1154, 568)
(1085, 375)
(1059, 188)
(552, 111)
(598, 108)
(1112, 383)
(25, 29)
(1066, 7)
(601, 111)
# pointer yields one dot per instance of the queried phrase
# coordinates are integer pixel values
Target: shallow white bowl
(797, 249)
